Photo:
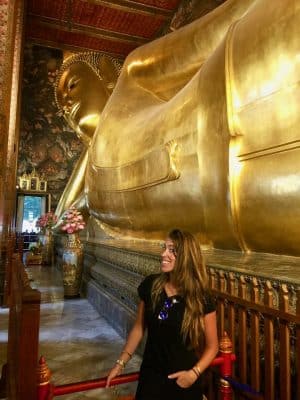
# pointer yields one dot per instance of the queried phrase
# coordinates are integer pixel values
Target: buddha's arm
(74, 186)
(165, 65)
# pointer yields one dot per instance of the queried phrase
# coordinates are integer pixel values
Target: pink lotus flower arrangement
(72, 221)
(46, 221)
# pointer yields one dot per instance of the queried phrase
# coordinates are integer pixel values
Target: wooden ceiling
(115, 27)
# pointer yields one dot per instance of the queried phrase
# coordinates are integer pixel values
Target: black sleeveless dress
(165, 351)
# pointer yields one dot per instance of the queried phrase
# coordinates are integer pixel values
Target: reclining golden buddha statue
(199, 131)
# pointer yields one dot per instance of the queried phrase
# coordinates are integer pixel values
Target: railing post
(43, 381)
(226, 366)
(225, 390)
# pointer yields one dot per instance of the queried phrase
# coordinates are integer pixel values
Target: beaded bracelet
(121, 363)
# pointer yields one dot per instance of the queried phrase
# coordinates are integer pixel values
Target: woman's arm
(186, 378)
(211, 342)
(135, 336)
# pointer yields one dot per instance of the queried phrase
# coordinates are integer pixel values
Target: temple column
(11, 44)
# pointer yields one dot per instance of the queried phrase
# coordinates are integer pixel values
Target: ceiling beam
(134, 7)
(66, 26)
(72, 48)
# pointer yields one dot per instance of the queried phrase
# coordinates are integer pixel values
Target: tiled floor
(76, 342)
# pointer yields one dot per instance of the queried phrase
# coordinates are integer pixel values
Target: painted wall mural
(46, 142)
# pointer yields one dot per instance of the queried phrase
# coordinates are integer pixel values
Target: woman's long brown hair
(190, 279)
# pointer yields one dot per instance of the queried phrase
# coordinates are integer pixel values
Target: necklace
(168, 304)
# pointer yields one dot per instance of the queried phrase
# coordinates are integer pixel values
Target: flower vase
(72, 260)
(46, 242)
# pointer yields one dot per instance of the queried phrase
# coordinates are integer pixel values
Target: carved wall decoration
(32, 182)
(189, 10)
(11, 40)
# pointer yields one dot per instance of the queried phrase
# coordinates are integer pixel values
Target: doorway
(29, 208)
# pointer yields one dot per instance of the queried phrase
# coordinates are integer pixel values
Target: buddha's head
(83, 86)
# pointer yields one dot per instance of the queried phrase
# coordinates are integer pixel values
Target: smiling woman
(179, 314)
(168, 256)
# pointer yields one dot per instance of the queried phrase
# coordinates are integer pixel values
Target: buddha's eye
(72, 83)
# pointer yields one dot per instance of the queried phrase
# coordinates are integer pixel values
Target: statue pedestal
(113, 269)
(264, 266)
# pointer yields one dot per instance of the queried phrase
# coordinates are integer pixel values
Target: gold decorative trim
(139, 263)
(295, 144)
(43, 373)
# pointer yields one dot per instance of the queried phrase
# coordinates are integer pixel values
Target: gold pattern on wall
(133, 261)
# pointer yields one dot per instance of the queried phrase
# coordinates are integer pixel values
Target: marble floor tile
(77, 343)
(3, 335)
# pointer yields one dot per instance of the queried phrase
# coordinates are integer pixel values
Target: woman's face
(82, 97)
(168, 256)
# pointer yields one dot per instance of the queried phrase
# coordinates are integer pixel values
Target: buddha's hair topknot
(92, 59)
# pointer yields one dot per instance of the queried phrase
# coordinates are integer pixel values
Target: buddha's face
(82, 96)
